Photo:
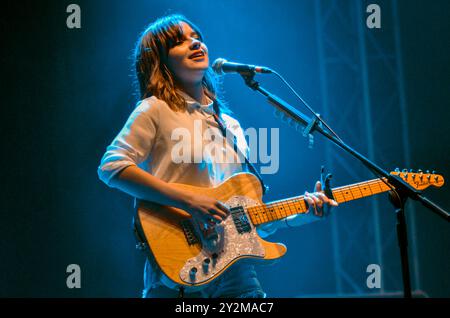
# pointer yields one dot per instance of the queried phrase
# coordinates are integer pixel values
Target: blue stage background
(69, 91)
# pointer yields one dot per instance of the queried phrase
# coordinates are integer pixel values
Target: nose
(195, 44)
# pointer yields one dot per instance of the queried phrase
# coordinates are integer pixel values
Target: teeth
(196, 55)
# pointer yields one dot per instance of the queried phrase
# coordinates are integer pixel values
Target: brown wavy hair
(153, 77)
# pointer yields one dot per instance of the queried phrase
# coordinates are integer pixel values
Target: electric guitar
(190, 259)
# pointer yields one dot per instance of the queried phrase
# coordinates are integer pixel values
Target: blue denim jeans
(239, 281)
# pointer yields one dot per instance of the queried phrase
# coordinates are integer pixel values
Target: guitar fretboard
(277, 210)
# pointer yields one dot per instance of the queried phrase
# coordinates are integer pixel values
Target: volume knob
(193, 273)
(205, 265)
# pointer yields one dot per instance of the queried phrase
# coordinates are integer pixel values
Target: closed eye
(176, 42)
(194, 35)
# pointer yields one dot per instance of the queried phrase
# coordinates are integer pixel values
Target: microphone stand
(402, 190)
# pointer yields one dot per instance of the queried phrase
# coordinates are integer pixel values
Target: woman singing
(178, 89)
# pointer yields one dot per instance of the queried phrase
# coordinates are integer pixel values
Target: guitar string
(340, 194)
(265, 212)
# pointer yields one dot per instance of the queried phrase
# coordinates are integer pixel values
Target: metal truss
(363, 98)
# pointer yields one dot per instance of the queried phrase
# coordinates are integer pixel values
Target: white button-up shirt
(155, 138)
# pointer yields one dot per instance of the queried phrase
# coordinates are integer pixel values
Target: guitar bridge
(189, 232)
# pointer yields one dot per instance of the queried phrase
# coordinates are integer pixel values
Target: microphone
(222, 66)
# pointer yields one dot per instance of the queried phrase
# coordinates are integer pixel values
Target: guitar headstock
(420, 180)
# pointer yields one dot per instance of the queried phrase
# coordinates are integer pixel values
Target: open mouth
(197, 54)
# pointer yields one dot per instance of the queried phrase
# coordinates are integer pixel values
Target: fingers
(321, 195)
(318, 187)
(223, 208)
(316, 200)
(309, 202)
(217, 213)
(326, 199)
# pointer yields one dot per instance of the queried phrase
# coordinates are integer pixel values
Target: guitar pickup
(240, 220)
(189, 232)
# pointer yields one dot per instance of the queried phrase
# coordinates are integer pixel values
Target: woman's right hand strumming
(143, 185)
(205, 209)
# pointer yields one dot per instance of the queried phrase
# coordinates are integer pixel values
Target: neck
(195, 90)
(277, 210)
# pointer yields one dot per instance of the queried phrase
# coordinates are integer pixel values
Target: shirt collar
(208, 108)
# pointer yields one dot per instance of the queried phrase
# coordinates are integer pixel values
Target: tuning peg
(419, 171)
(405, 173)
(411, 170)
(427, 172)
(397, 170)
(433, 172)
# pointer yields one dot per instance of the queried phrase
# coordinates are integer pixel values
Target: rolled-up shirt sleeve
(134, 142)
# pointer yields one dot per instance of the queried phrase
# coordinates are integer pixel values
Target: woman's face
(188, 59)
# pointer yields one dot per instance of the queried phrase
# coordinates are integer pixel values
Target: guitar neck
(278, 210)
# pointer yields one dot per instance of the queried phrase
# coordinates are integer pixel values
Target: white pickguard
(229, 246)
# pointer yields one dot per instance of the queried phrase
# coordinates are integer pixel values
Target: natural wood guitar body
(161, 226)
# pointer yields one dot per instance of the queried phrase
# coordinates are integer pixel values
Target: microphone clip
(249, 79)
(308, 129)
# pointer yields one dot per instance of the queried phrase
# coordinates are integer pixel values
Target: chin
(203, 67)
(198, 65)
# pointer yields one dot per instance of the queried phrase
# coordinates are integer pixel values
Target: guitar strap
(223, 129)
